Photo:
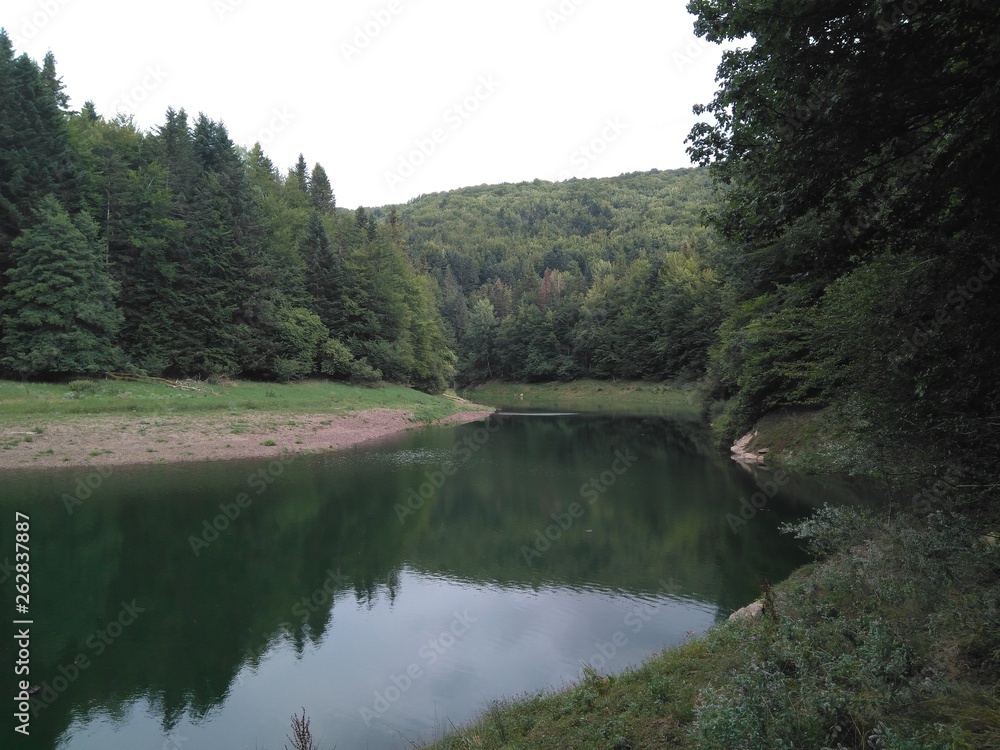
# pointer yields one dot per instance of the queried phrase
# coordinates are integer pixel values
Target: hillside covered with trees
(586, 278)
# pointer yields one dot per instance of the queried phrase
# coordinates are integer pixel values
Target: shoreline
(137, 441)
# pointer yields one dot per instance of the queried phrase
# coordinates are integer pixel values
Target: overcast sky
(395, 98)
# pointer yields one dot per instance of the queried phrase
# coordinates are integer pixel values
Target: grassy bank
(596, 395)
(26, 402)
(892, 641)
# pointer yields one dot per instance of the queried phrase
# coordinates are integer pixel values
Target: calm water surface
(390, 590)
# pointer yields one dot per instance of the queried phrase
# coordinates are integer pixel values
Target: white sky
(442, 94)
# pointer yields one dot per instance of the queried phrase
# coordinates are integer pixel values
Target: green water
(542, 544)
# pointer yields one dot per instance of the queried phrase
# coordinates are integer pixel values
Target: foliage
(339, 363)
(59, 304)
(588, 278)
(220, 264)
(856, 215)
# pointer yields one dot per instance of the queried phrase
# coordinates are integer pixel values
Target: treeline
(177, 252)
(594, 278)
(856, 149)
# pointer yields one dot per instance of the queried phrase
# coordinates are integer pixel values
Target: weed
(88, 387)
(301, 737)
(269, 443)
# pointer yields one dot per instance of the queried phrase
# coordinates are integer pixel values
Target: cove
(563, 541)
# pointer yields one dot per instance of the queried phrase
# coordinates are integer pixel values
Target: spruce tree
(59, 312)
(53, 82)
(321, 192)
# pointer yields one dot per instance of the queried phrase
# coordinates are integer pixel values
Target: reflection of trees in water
(327, 530)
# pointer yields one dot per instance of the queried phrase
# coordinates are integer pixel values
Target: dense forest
(177, 252)
(586, 278)
(827, 252)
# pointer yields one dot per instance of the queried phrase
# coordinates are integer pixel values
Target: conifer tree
(321, 192)
(59, 312)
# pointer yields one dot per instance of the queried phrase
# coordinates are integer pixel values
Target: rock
(742, 453)
(749, 612)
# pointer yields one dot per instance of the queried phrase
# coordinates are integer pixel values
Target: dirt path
(118, 441)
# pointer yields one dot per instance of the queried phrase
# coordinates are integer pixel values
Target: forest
(825, 253)
(178, 252)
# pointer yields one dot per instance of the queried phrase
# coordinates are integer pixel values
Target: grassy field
(592, 395)
(20, 402)
(893, 641)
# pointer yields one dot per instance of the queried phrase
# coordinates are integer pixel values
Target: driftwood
(180, 385)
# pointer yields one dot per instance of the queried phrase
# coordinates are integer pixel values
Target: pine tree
(53, 82)
(300, 175)
(321, 192)
(35, 155)
(59, 311)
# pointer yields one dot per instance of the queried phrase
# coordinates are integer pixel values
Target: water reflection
(319, 593)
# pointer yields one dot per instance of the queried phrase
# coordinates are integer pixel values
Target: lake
(390, 590)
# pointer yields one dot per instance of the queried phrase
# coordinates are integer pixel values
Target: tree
(53, 82)
(478, 339)
(35, 155)
(59, 312)
(300, 175)
(321, 192)
(855, 142)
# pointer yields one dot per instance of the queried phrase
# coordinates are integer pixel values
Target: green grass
(893, 641)
(591, 395)
(20, 402)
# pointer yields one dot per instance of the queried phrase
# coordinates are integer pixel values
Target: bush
(339, 363)
(85, 387)
(832, 529)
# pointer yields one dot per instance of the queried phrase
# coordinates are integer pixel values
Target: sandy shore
(118, 441)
